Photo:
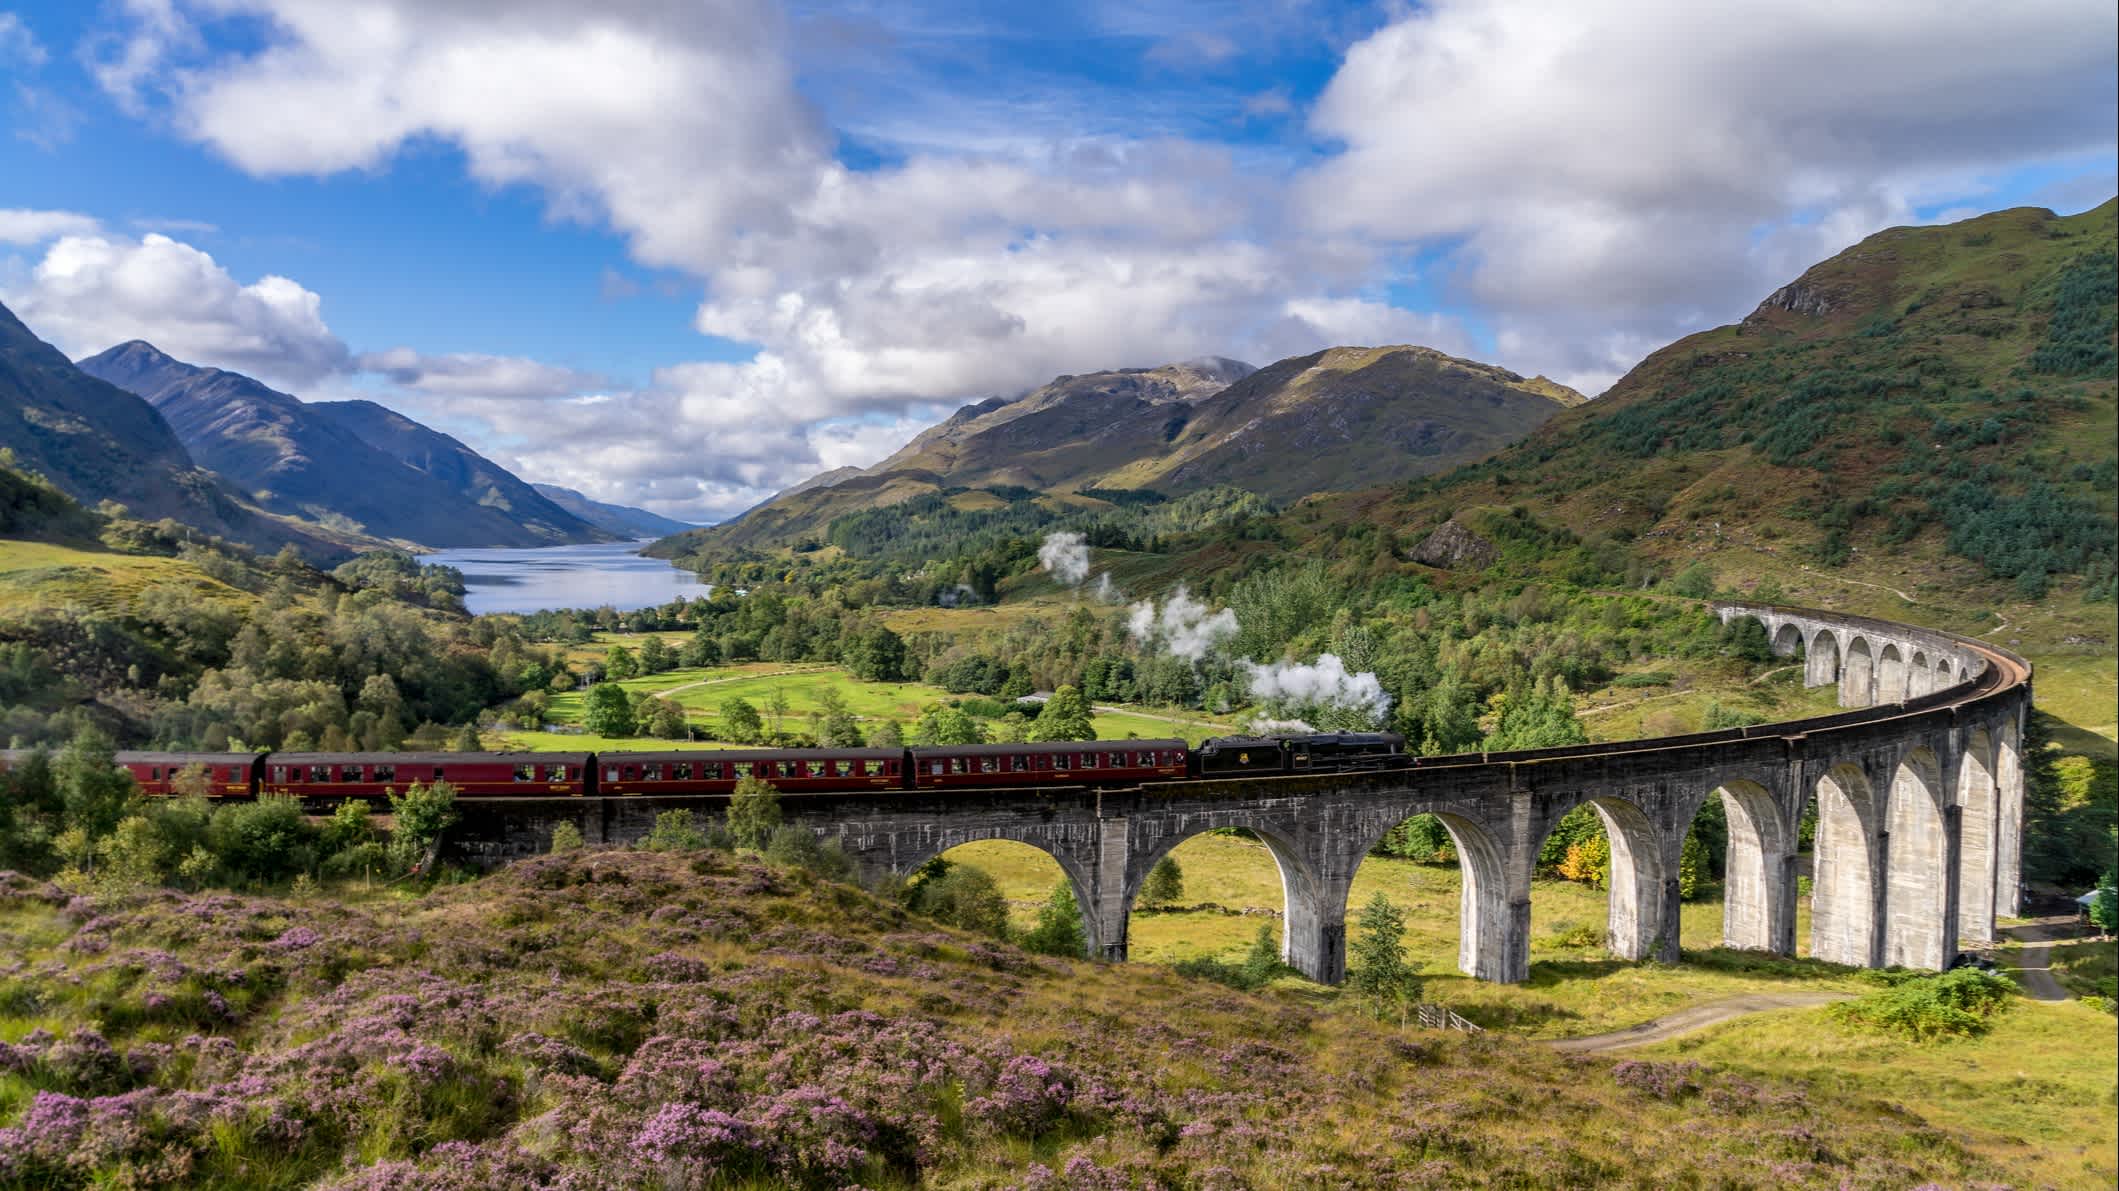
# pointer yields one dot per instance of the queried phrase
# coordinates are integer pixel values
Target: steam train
(332, 777)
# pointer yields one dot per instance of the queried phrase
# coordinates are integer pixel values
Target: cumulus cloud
(92, 291)
(18, 43)
(19, 225)
(474, 375)
(1620, 171)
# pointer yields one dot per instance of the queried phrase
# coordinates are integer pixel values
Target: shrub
(964, 897)
(420, 815)
(1931, 1006)
(1165, 884)
(800, 848)
(263, 840)
(1059, 926)
(566, 837)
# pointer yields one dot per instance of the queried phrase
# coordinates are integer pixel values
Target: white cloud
(92, 291)
(20, 225)
(473, 375)
(1642, 167)
(19, 44)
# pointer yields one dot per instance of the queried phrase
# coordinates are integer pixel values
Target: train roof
(136, 757)
(422, 758)
(1043, 746)
(847, 754)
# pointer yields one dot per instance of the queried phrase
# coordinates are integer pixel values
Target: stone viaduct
(1918, 788)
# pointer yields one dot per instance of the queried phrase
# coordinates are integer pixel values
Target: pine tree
(1377, 970)
(1059, 925)
(753, 812)
(1692, 867)
(1165, 884)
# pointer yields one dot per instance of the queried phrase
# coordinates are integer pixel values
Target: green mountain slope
(623, 520)
(295, 460)
(1931, 409)
(1340, 418)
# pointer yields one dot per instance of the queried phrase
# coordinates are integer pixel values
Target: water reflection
(530, 580)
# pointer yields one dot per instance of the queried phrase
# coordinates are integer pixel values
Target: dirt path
(1697, 1017)
(737, 678)
(1878, 586)
(2034, 963)
(1149, 715)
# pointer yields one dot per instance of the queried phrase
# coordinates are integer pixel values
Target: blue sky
(682, 254)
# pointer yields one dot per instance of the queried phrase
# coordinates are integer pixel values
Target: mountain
(301, 460)
(623, 520)
(1340, 418)
(1933, 408)
(97, 442)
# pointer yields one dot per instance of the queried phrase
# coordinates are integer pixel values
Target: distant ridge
(304, 460)
(623, 520)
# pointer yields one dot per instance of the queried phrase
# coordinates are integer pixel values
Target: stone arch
(1312, 933)
(1891, 675)
(1787, 640)
(1843, 895)
(1101, 942)
(1944, 677)
(1759, 875)
(1920, 675)
(1978, 852)
(1857, 676)
(1821, 659)
(1483, 919)
(1634, 914)
(1917, 930)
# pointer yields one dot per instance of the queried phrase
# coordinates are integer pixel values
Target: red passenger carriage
(475, 775)
(791, 771)
(1093, 762)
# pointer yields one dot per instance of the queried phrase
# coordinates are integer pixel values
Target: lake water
(613, 573)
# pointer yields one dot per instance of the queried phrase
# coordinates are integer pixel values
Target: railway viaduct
(1918, 787)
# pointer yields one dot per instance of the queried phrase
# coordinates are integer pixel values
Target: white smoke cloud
(1066, 556)
(1105, 591)
(1267, 726)
(1183, 628)
(1324, 683)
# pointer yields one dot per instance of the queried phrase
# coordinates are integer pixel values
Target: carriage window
(385, 773)
(610, 773)
(681, 771)
(319, 773)
(937, 768)
(743, 768)
(1062, 760)
(1019, 763)
(279, 774)
(785, 768)
(1115, 760)
(154, 773)
(1088, 760)
(232, 774)
(652, 773)
(525, 773)
(989, 764)
(349, 773)
(555, 773)
(872, 768)
(842, 769)
(632, 773)
(959, 765)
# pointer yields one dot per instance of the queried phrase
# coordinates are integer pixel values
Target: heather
(688, 1019)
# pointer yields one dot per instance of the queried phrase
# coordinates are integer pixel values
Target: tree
(1165, 884)
(655, 656)
(421, 814)
(1588, 861)
(1262, 963)
(753, 812)
(262, 840)
(886, 735)
(467, 740)
(776, 708)
(349, 826)
(608, 711)
(947, 725)
(966, 898)
(836, 726)
(619, 663)
(740, 721)
(1065, 716)
(94, 791)
(665, 720)
(673, 831)
(2104, 908)
(1692, 867)
(1377, 969)
(1059, 925)
(566, 837)
(1540, 717)
(876, 655)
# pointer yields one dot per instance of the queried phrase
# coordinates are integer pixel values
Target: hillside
(1344, 417)
(697, 1019)
(623, 520)
(297, 459)
(461, 471)
(97, 442)
(1931, 410)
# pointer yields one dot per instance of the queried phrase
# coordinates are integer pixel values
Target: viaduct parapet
(1918, 788)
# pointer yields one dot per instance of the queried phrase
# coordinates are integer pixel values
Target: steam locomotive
(332, 777)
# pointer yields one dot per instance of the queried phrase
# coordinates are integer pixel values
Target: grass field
(2036, 1092)
(39, 575)
(1572, 989)
(1615, 712)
